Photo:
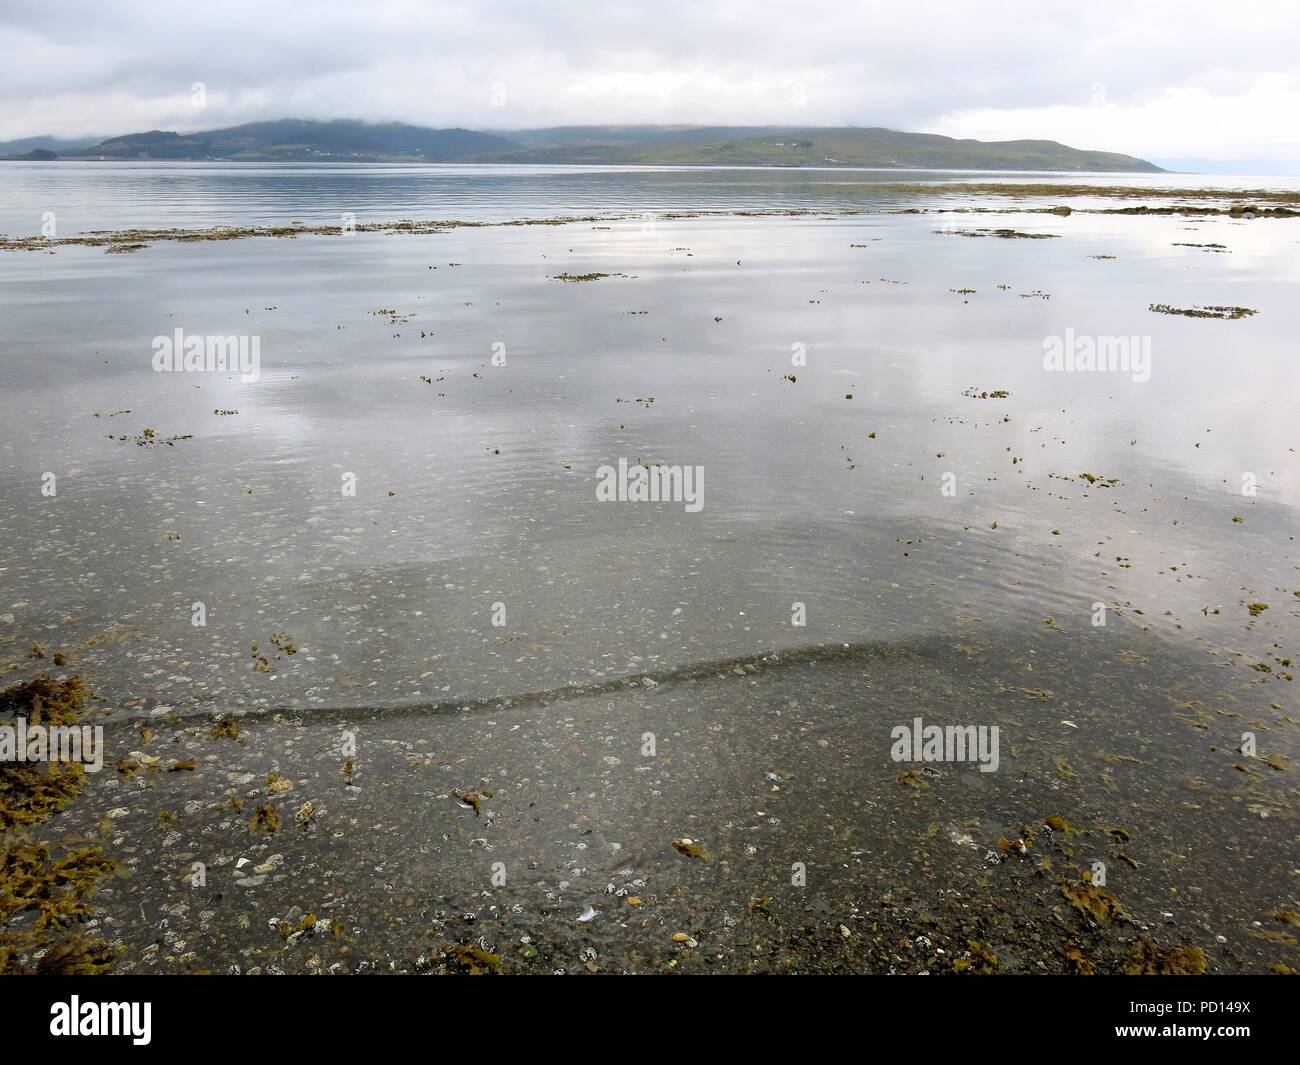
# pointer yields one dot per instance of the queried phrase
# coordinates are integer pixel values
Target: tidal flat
(387, 687)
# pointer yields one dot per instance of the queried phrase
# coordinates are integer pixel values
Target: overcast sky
(1162, 80)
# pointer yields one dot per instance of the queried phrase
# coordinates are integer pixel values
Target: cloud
(1174, 79)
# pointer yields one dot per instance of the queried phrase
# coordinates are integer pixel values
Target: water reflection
(477, 486)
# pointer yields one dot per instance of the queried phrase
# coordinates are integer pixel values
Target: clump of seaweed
(284, 643)
(689, 848)
(150, 438)
(1003, 234)
(46, 701)
(474, 960)
(982, 960)
(1082, 965)
(264, 819)
(47, 894)
(227, 728)
(307, 926)
(1146, 959)
(1092, 902)
(277, 785)
(472, 796)
(1213, 311)
(30, 792)
(41, 894)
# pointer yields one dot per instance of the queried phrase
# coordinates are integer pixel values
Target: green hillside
(342, 140)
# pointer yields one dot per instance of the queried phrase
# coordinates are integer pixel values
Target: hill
(299, 140)
(794, 146)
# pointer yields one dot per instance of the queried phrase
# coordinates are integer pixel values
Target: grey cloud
(94, 68)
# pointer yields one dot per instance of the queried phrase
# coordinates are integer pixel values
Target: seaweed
(689, 848)
(30, 792)
(284, 644)
(1222, 313)
(1082, 965)
(264, 819)
(1004, 234)
(1093, 903)
(306, 926)
(474, 960)
(227, 727)
(43, 896)
(981, 960)
(1146, 959)
(150, 438)
(472, 797)
(50, 895)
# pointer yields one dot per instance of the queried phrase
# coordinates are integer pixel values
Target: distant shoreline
(343, 140)
(720, 165)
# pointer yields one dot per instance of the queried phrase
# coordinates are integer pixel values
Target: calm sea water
(93, 196)
(874, 497)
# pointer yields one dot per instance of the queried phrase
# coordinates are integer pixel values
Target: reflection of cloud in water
(494, 481)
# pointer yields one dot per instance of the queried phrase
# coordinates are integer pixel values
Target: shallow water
(769, 765)
(97, 196)
(942, 549)
(478, 488)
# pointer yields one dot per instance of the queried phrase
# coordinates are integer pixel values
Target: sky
(1216, 85)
